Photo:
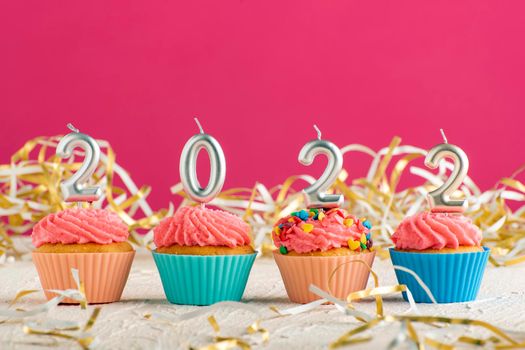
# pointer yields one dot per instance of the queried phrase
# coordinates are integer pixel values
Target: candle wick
(318, 132)
(444, 136)
(72, 128)
(199, 125)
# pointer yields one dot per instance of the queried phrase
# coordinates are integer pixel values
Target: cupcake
(203, 256)
(312, 244)
(93, 241)
(444, 250)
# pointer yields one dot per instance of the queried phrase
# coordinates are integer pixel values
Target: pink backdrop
(259, 74)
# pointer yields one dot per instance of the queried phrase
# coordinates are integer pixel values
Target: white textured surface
(122, 325)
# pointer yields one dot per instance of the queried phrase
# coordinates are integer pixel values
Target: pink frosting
(330, 232)
(79, 225)
(429, 230)
(201, 226)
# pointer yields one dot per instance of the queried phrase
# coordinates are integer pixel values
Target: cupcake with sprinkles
(441, 245)
(323, 244)
(312, 244)
(322, 232)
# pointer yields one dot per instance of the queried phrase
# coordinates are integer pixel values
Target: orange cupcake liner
(298, 272)
(104, 274)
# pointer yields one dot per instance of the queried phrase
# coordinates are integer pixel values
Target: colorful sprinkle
(303, 215)
(363, 239)
(314, 213)
(321, 216)
(291, 220)
(307, 228)
(368, 236)
(354, 245)
(277, 230)
(363, 246)
(283, 250)
(348, 222)
(367, 224)
(340, 213)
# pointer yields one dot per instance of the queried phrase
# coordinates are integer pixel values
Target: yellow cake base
(85, 248)
(206, 250)
(460, 249)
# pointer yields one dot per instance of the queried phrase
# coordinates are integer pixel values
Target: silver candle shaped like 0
(188, 166)
(439, 199)
(76, 189)
(315, 196)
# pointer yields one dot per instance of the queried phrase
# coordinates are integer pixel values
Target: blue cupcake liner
(451, 278)
(203, 279)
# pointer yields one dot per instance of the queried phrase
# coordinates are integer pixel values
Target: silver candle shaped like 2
(439, 199)
(76, 188)
(315, 196)
(188, 166)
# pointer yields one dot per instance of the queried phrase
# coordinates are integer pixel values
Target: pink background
(259, 74)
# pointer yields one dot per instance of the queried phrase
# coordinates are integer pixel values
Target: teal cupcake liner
(203, 279)
(451, 278)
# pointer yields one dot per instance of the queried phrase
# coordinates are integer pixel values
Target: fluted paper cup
(298, 272)
(104, 274)
(452, 278)
(203, 279)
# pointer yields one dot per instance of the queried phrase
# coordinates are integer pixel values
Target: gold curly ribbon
(346, 306)
(75, 294)
(379, 198)
(219, 342)
(256, 328)
(29, 190)
(83, 338)
(223, 343)
(410, 334)
(54, 328)
(499, 336)
(499, 339)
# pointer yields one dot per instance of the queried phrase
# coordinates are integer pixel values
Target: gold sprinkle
(348, 222)
(214, 324)
(354, 245)
(307, 228)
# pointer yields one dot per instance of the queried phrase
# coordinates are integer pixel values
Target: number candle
(440, 198)
(315, 196)
(188, 166)
(75, 189)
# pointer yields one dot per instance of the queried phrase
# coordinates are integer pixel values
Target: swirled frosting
(80, 225)
(429, 230)
(201, 226)
(317, 230)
